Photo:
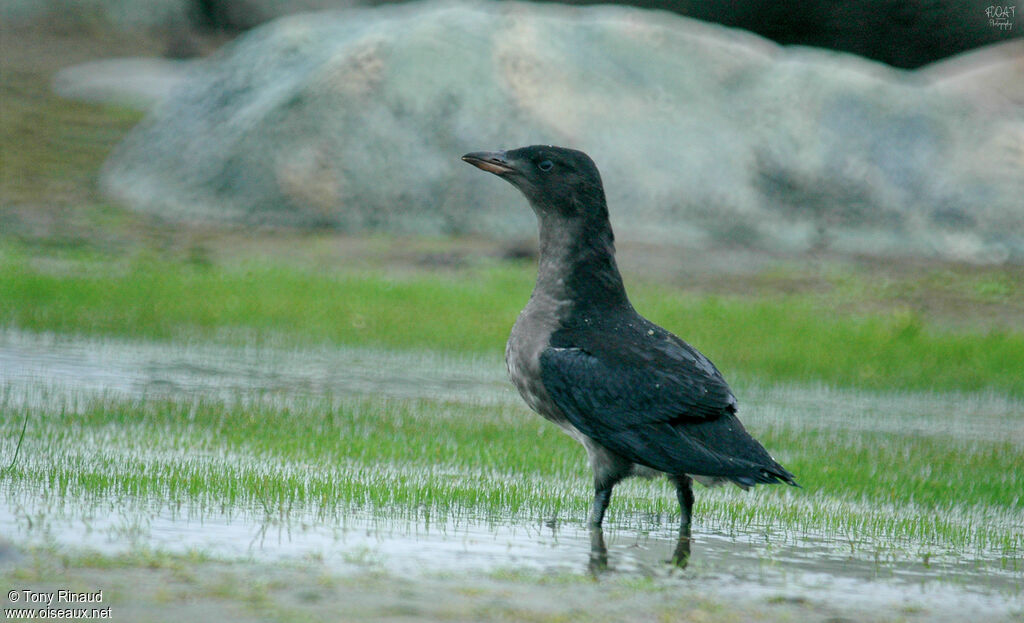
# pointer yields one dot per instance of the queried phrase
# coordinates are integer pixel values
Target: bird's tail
(773, 474)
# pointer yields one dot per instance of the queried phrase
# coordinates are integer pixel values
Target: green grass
(781, 339)
(52, 147)
(409, 457)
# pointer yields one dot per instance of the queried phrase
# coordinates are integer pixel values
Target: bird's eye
(545, 165)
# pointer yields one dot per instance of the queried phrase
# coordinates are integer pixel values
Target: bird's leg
(602, 496)
(598, 551)
(608, 470)
(684, 493)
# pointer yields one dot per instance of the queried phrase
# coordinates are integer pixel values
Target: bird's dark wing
(657, 402)
(647, 373)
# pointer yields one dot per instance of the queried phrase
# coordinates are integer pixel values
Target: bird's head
(557, 181)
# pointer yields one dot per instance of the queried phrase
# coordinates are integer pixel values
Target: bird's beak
(491, 161)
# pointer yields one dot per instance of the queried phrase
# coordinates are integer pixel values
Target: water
(33, 367)
(80, 366)
(43, 369)
(746, 567)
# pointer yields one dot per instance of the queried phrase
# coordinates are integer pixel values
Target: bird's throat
(577, 263)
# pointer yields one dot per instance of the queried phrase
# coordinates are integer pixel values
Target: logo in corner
(1001, 17)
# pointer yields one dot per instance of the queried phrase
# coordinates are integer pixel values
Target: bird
(638, 398)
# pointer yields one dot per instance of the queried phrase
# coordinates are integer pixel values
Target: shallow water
(755, 566)
(42, 371)
(149, 369)
(35, 367)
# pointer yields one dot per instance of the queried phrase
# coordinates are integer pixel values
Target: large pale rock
(134, 82)
(705, 136)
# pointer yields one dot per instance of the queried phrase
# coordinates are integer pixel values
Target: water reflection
(598, 561)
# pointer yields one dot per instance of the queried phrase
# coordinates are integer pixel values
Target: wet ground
(751, 568)
(762, 564)
(35, 367)
(31, 362)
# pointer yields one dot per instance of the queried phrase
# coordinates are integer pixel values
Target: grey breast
(530, 335)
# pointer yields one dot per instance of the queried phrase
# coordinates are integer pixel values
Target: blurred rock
(133, 82)
(992, 78)
(705, 136)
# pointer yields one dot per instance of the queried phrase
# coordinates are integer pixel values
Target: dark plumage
(635, 395)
